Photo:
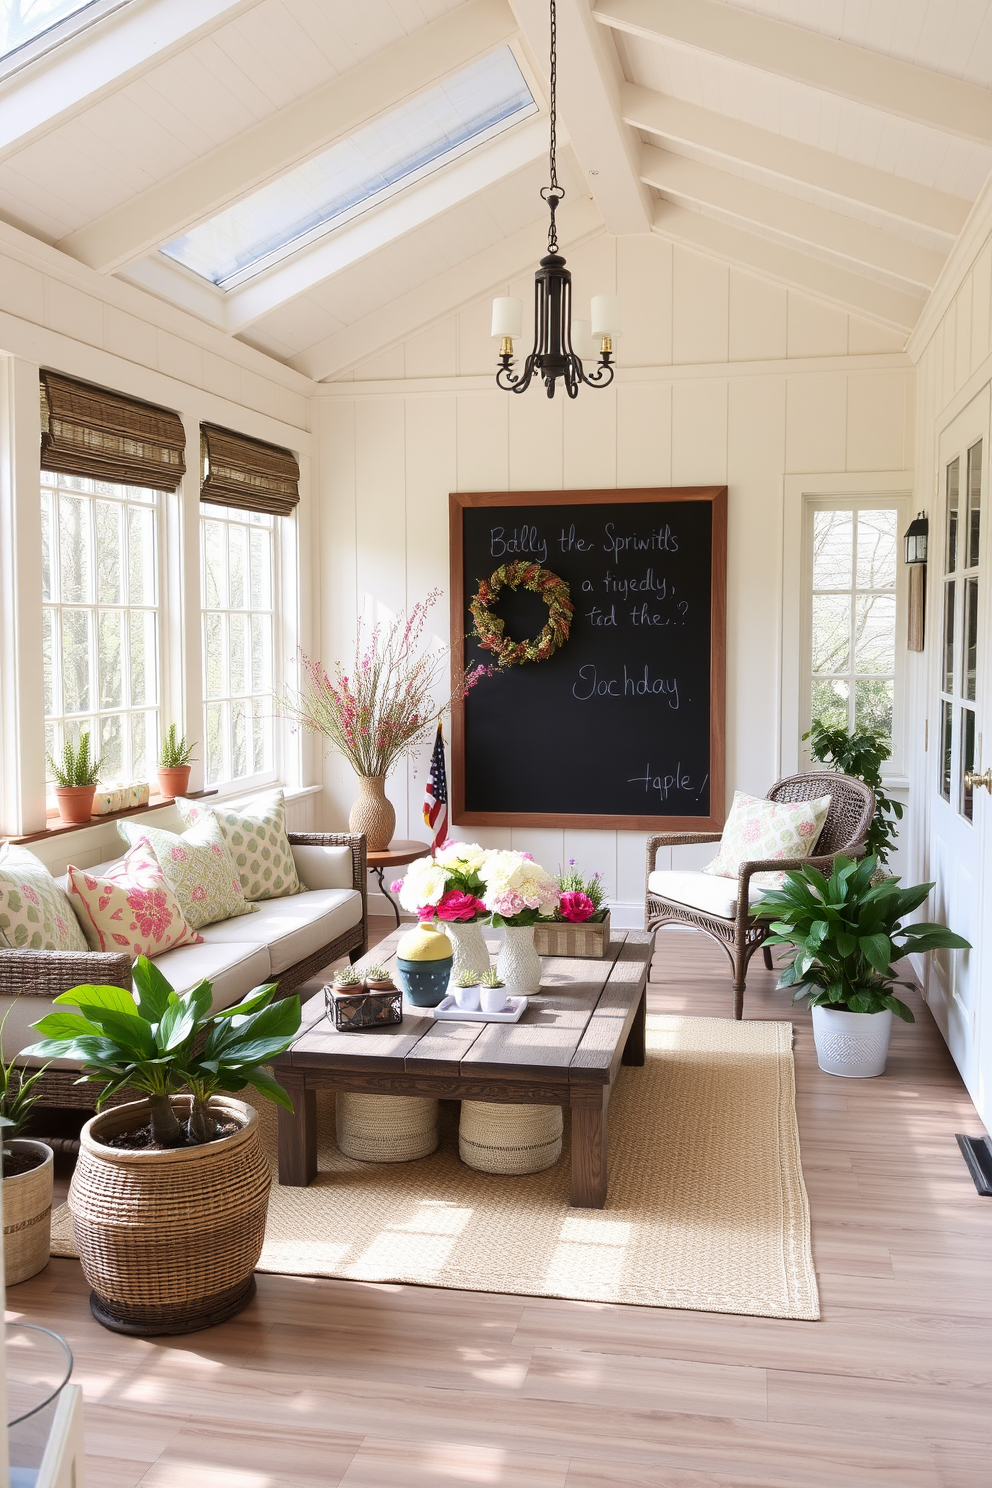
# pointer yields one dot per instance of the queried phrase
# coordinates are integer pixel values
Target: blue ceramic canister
(423, 964)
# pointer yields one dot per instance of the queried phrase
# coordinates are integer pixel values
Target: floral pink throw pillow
(131, 907)
(757, 829)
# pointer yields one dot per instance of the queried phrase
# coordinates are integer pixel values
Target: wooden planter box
(559, 938)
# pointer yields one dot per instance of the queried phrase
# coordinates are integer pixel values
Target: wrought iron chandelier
(554, 355)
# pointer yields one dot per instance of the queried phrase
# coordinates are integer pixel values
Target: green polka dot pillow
(255, 831)
(199, 867)
(757, 829)
(35, 913)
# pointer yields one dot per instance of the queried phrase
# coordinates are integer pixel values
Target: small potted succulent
(846, 932)
(28, 1168)
(174, 763)
(466, 991)
(492, 991)
(348, 979)
(76, 773)
(377, 979)
(358, 1000)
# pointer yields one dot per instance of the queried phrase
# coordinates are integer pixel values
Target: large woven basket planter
(169, 1240)
(27, 1214)
(386, 1128)
(509, 1139)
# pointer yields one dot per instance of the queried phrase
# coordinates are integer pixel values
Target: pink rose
(454, 905)
(396, 886)
(426, 911)
(576, 907)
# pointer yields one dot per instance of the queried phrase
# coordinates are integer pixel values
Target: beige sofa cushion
(717, 896)
(293, 928)
(324, 867)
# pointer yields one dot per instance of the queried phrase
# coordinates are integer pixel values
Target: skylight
(357, 173)
(22, 21)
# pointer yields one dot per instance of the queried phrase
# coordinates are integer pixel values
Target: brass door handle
(972, 780)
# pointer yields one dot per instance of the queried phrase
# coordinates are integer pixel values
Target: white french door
(960, 741)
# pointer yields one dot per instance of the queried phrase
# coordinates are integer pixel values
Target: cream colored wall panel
(483, 442)
(962, 335)
(590, 439)
(758, 319)
(816, 425)
(259, 393)
(293, 409)
(431, 472)
(127, 336)
(593, 267)
(435, 353)
(178, 358)
(387, 366)
(644, 434)
(380, 479)
(545, 844)
(699, 433)
(815, 330)
(631, 847)
(594, 852)
(700, 296)
(22, 291)
(981, 284)
(222, 377)
(867, 336)
(476, 348)
(535, 430)
(338, 560)
(73, 313)
(644, 284)
(876, 410)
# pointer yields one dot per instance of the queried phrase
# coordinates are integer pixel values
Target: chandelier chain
(553, 193)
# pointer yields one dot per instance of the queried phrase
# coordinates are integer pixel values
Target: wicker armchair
(848, 819)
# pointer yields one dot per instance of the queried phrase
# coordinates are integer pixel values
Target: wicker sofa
(288, 940)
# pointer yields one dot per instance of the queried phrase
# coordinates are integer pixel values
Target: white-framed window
(853, 615)
(959, 627)
(240, 567)
(101, 628)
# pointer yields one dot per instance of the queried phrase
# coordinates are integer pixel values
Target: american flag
(436, 793)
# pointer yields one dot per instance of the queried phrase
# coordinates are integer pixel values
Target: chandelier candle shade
(559, 343)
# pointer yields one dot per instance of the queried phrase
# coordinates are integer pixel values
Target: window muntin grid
(238, 575)
(101, 621)
(959, 627)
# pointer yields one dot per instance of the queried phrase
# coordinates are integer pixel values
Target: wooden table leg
(298, 1137)
(633, 1049)
(589, 1147)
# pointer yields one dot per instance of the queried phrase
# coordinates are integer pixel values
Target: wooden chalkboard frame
(458, 501)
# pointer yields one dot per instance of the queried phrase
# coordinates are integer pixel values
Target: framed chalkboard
(623, 725)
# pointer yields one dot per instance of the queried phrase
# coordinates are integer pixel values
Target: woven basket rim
(121, 1117)
(14, 1178)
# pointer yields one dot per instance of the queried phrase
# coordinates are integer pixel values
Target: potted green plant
(28, 1169)
(862, 752)
(76, 774)
(174, 763)
(170, 1192)
(847, 931)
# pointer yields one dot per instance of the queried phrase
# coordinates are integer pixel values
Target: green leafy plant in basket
(164, 1042)
(847, 933)
(18, 1092)
(75, 767)
(862, 753)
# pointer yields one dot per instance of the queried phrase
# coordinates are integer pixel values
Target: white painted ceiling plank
(788, 266)
(292, 134)
(671, 118)
(819, 61)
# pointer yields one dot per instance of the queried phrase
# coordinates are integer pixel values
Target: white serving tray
(448, 1009)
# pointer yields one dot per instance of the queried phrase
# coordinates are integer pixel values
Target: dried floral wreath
(489, 627)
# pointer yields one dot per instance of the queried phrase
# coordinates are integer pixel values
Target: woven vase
(27, 1214)
(468, 947)
(385, 1128)
(373, 813)
(518, 964)
(169, 1240)
(509, 1139)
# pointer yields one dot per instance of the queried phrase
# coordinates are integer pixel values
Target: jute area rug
(707, 1208)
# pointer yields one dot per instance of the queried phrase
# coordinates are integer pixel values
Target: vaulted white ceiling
(833, 147)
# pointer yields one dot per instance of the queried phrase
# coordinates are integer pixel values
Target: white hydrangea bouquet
(464, 882)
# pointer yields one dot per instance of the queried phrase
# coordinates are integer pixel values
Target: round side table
(396, 855)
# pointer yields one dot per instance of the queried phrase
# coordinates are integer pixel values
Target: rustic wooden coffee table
(566, 1051)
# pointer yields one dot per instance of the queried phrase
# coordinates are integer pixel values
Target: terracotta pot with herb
(76, 774)
(174, 763)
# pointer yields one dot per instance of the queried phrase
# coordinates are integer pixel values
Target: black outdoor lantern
(916, 539)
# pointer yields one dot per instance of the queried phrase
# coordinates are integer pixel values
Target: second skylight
(357, 173)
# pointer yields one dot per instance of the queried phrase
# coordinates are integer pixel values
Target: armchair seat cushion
(704, 891)
(293, 928)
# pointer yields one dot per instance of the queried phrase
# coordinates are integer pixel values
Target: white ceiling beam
(78, 73)
(849, 291)
(293, 134)
(790, 160)
(789, 217)
(589, 81)
(406, 211)
(447, 293)
(865, 77)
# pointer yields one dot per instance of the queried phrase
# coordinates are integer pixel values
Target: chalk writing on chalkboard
(624, 724)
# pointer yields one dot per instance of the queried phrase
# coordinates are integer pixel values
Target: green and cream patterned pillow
(199, 868)
(255, 831)
(757, 829)
(35, 913)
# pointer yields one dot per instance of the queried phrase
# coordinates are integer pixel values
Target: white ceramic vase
(518, 963)
(854, 1045)
(468, 946)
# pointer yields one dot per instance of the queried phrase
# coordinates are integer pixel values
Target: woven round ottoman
(509, 1139)
(386, 1128)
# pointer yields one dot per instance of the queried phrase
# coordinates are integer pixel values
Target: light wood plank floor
(324, 1382)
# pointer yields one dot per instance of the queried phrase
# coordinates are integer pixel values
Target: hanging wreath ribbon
(489, 628)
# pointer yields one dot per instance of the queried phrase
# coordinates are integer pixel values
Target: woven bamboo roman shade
(247, 473)
(89, 431)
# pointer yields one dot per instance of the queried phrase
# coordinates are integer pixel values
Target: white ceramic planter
(518, 964)
(468, 947)
(27, 1214)
(854, 1045)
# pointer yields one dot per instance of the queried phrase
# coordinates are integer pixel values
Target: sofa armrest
(47, 973)
(359, 858)
(675, 839)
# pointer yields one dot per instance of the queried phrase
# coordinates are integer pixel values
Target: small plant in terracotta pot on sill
(76, 773)
(174, 763)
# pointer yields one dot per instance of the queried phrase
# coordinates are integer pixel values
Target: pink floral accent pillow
(757, 829)
(131, 907)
